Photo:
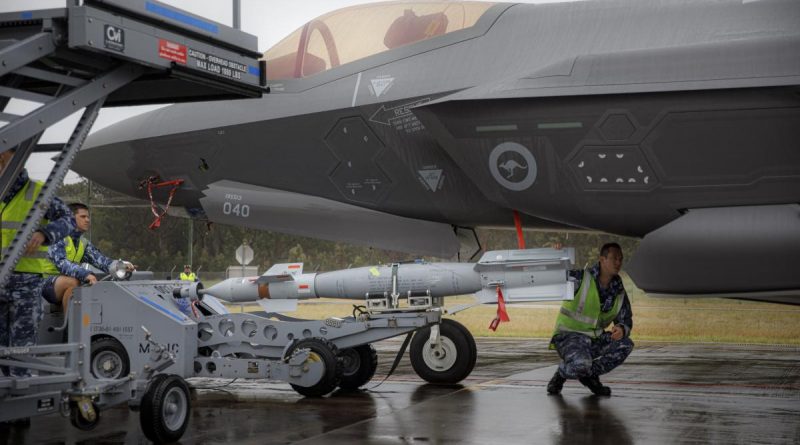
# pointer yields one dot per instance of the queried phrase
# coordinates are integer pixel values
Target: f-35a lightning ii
(403, 125)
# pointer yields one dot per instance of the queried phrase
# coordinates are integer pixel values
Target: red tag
(302, 286)
(172, 51)
(294, 266)
(502, 315)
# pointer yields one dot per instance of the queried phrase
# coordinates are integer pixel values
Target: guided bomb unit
(523, 275)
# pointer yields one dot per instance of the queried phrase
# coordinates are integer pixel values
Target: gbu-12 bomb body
(522, 275)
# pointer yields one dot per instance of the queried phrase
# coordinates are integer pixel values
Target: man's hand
(36, 240)
(91, 279)
(617, 333)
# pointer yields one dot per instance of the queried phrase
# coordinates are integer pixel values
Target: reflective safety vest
(582, 314)
(13, 216)
(188, 277)
(74, 255)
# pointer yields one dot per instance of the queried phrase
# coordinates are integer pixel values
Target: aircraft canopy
(353, 33)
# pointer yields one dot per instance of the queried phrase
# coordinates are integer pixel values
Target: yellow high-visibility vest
(14, 214)
(188, 277)
(582, 313)
(74, 255)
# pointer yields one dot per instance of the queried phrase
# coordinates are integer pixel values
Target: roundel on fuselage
(513, 166)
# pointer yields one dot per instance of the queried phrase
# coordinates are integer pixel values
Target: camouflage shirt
(615, 287)
(58, 255)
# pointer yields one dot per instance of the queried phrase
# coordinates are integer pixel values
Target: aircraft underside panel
(586, 160)
(229, 202)
(730, 251)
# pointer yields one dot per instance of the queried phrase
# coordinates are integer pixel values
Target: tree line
(120, 229)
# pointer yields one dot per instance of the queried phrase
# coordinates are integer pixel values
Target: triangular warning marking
(381, 85)
(431, 178)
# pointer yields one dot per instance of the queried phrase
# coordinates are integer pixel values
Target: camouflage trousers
(20, 313)
(584, 356)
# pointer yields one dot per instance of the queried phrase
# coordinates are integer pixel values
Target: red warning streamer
(502, 315)
(153, 184)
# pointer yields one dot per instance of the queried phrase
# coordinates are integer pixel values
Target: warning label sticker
(172, 51)
(217, 65)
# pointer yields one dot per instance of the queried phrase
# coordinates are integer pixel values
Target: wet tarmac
(663, 394)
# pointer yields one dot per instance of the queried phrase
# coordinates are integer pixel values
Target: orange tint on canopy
(353, 33)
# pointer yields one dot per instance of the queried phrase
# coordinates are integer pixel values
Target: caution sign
(217, 65)
(172, 51)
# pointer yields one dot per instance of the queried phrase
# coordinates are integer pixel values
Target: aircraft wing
(230, 202)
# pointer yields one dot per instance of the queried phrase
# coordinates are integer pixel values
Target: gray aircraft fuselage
(676, 121)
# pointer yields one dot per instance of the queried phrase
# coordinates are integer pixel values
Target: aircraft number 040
(241, 210)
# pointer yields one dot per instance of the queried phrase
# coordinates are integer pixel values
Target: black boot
(556, 383)
(593, 383)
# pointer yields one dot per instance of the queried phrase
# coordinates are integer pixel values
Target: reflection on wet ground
(664, 394)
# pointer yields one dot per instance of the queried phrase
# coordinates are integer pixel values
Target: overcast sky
(270, 20)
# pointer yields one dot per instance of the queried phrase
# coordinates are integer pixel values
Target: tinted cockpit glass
(353, 33)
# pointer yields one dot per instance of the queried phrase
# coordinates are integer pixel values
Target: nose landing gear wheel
(164, 411)
(358, 366)
(320, 350)
(449, 363)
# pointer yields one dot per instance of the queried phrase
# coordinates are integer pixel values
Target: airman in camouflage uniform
(20, 300)
(587, 351)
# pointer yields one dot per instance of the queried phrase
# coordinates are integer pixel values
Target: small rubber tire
(358, 366)
(326, 352)
(108, 348)
(77, 420)
(458, 360)
(165, 409)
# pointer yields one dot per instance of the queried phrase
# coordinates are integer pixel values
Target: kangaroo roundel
(513, 166)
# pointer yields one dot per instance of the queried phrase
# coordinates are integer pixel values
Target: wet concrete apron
(663, 394)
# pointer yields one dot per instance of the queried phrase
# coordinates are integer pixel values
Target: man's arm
(94, 257)
(62, 223)
(58, 255)
(625, 316)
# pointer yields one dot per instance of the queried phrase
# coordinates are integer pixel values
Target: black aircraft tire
(107, 349)
(326, 352)
(358, 366)
(458, 360)
(165, 409)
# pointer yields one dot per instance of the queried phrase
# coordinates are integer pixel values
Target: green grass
(658, 319)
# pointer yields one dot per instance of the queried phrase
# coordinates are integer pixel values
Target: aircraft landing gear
(447, 357)
(358, 366)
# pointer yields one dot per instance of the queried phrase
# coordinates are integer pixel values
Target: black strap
(396, 359)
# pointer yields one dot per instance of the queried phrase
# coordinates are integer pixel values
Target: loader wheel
(77, 419)
(320, 350)
(164, 411)
(109, 359)
(358, 366)
(449, 364)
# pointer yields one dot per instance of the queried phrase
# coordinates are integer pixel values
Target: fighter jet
(405, 125)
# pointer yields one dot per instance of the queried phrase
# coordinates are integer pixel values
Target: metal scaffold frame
(87, 55)
(55, 58)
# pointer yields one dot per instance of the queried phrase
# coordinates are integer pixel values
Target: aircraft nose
(163, 143)
(107, 155)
